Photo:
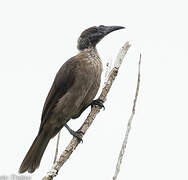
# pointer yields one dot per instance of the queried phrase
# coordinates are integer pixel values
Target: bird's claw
(99, 103)
(78, 135)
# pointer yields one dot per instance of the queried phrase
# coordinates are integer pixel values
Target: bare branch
(94, 111)
(128, 126)
(57, 145)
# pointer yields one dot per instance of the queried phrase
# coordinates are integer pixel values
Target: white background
(37, 37)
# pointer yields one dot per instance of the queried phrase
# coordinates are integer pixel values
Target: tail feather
(35, 153)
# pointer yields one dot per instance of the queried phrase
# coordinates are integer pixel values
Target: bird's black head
(91, 36)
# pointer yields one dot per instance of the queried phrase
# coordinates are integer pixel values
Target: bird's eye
(94, 30)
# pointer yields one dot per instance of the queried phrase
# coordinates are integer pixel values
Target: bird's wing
(62, 83)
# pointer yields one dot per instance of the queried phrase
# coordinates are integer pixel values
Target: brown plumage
(73, 90)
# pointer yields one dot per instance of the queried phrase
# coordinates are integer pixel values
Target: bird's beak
(108, 29)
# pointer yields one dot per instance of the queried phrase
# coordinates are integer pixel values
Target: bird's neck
(93, 56)
(92, 51)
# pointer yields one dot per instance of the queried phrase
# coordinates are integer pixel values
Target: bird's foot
(99, 103)
(76, 134)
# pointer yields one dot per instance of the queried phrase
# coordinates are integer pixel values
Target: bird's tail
(35, 153)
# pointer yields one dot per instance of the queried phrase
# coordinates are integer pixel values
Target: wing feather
(62, 83)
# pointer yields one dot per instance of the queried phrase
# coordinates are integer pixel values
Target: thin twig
(128, 126)
(108, 69)
(94, 111)
(57, 145)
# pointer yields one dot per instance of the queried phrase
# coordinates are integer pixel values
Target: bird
(73, 90)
